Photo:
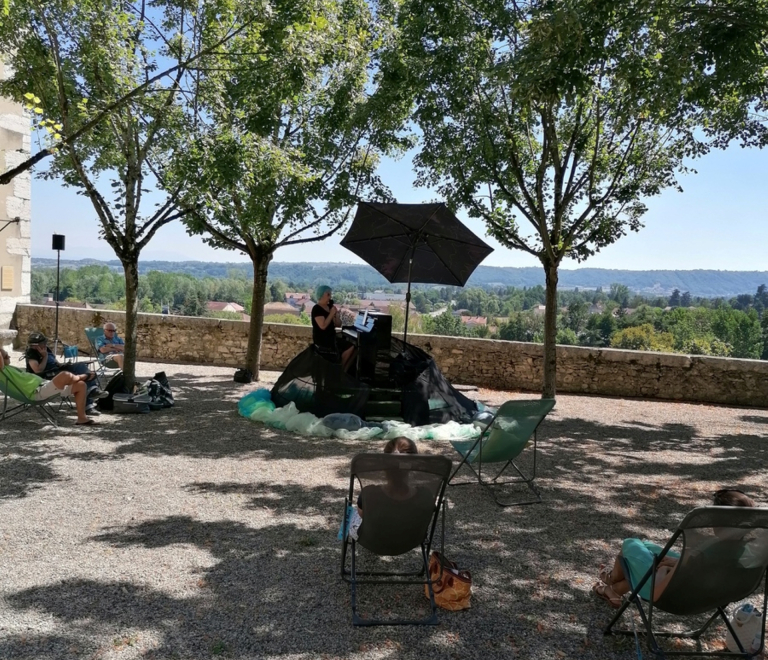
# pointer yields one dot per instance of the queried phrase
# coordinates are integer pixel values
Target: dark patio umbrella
(415, 243)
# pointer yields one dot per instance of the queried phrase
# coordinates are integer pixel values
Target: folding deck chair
(502, 441)
(723, 560)
(12, 395)
(393, 527)
(104, 365)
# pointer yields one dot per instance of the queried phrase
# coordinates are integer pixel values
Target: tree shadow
(274, 589)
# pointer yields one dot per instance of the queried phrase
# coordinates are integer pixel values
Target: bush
(291, 319)
(643, 338)
(567, 337)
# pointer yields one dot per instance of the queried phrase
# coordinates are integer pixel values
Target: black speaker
(58, 242)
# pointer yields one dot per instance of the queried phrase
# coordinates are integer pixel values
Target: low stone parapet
(495, 364)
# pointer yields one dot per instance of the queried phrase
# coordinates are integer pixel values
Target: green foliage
(444, 324)
(740, 330)
(642, 338)
(230, 316)
(286, 134)
(566, 116)
(523, 327)
(291, 319)
(567, 337)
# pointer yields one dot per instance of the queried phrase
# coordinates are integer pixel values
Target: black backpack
(116, 385)
(243, 376)
(159, 391)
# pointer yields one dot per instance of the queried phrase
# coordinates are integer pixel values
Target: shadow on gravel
(276, 590)
(754, 419)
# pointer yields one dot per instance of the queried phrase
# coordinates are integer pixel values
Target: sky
(718, 222)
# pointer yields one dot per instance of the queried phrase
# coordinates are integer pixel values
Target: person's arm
(37, 367)
(324, 321)
(4, 359)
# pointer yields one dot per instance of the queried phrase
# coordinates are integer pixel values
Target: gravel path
(194, 533)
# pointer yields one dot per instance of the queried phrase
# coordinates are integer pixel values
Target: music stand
(57, 244)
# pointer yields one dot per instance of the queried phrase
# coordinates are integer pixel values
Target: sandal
(602, 591)
(88, 422)
(605, 575)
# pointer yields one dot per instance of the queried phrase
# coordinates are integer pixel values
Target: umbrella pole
(408, 297)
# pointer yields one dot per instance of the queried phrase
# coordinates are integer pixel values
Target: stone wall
(484, 362)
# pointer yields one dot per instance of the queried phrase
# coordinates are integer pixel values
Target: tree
(674, 299)
(685, 299)
(286, 140)
(93, 65)
(642, 338)
(277, 291)
(567, 115)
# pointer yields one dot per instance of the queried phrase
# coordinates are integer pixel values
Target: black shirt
(323, 338)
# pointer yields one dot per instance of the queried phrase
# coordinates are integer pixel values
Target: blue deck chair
(104, 365)
(14, 402)
(723, 560)
(502, 441)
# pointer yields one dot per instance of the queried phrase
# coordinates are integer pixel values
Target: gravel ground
(194, 533)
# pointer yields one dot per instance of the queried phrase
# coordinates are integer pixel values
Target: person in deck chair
(38, 389)
(639, 555)
(397, 493)
(111, 345)
(42, 362)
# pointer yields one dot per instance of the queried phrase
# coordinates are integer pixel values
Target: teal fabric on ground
(254, 407)
(252, 401)
(639, 555)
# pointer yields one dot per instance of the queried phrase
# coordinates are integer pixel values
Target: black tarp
(405, 372)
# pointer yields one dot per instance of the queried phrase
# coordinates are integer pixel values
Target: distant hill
(706, 283)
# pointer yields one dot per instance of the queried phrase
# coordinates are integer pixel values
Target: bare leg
(118, 358)
(347, 357)
(77, 387)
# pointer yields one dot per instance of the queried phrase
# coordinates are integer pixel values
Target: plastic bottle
(747, 623)
(756, 642)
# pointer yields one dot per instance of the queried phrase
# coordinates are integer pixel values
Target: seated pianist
(325, 320)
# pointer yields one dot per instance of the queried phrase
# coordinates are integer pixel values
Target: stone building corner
(15, 211)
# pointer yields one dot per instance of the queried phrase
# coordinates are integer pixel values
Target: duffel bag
(130, 403)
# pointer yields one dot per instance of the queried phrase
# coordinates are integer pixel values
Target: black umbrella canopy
(444, 251)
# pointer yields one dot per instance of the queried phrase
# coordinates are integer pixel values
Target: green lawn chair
(723, 560)
(12, 395)
(394, 527)
(104, 366)
(503, 440)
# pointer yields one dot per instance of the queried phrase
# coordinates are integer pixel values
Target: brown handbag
(454, 588)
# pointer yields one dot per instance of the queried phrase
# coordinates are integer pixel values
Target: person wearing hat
(325, 320)
(34, 387)
(42, 362)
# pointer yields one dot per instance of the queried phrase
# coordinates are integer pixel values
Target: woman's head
(401, 445)
(732, 497)
(322, 291)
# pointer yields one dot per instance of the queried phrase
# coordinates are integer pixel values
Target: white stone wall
(15, 202)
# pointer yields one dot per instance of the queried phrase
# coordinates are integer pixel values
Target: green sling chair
(12, 395)
(502, 441)
(723, 560)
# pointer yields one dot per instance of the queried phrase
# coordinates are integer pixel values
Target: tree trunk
(260, 270)
(131, 267)
(550, 332)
